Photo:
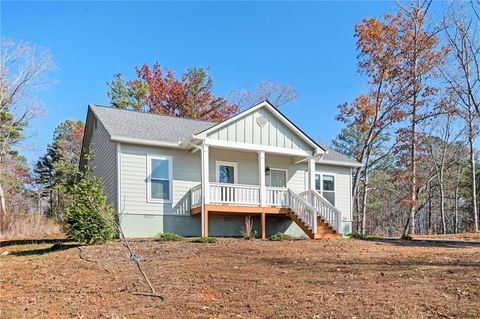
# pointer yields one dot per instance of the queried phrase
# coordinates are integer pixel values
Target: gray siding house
(197, 178)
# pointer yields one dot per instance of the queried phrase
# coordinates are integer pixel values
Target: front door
(227, 174)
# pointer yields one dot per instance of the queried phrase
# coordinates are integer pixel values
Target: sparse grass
(26, 226)
(363, 236)
(168, 237)
(204, 240)
(280, 237)
(248, 236)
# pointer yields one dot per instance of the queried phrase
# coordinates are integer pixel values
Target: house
(190, 177)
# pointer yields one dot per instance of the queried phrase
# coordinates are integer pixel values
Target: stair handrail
(196, 195)
(334, 219)
(309, 218)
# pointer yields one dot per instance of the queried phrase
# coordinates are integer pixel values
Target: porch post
(311, 173)
(262, 217)
(261, 173)
(205, 189)
(311, 186)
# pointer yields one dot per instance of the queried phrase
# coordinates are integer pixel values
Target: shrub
(89, 218)
(280, 237)
(407, 237)
(247, 236)
(204, 240)
(168, 237)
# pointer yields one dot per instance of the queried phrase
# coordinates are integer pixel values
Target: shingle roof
(147, 126)
(160, 128)
(336, 156)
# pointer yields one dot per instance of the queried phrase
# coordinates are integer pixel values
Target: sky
(308, 45)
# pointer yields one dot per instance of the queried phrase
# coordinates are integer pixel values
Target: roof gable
(262, 124)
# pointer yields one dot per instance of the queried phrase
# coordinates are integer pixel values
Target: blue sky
(310, 46)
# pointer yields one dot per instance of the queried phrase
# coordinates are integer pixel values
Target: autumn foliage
(157, 90)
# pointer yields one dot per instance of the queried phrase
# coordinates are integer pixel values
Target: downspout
(203, 179)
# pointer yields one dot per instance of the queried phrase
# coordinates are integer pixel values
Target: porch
(238, 178)
(309, 210)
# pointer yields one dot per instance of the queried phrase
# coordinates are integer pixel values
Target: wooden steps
(324, 230)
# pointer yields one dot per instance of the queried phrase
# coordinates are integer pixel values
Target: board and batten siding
(343, 190)
(133, 180)
(104, 162)
(247, 130)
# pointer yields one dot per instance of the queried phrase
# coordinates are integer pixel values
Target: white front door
(226, 172)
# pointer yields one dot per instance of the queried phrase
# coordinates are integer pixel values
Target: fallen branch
(148, 294)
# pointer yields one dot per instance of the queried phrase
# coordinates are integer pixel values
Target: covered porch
(285, 187)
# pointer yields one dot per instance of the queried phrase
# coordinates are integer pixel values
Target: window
(226, 172)
(159, 178)
(325, 184)
(278, 177)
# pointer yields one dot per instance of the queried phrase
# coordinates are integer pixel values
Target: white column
(205, 184)
(205, 174)
(261, 173)
(311, 186)
(311, 173)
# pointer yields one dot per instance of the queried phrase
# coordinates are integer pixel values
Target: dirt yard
(234, 278)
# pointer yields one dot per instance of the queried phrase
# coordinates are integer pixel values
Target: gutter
(140, 141)
(340, 163)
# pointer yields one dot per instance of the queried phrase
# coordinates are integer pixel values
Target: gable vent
(261, 120)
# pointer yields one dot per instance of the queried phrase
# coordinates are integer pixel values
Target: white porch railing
(196, 195)
(304, 210)
(277, 197)
(325, 209)
(307, 205)
(234, 194)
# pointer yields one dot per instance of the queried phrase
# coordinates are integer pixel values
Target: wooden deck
(242, 210)
(323, 230)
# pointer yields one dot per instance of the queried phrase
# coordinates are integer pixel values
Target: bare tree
(464, 80)
(276, 93)
(23, 69)
(441, 151)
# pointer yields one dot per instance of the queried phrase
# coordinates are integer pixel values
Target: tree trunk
(430, 227)
(3, 207)
(413, 166)
(364, 207)
(455, 230)
(473, 180)
(357, 212)
(364, 196)
(442, 206)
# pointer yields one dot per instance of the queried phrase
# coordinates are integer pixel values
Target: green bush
(204, 240)
(280, 237)
(89, 218)
(168, 237)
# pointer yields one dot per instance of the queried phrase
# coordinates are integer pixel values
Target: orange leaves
(191, 96)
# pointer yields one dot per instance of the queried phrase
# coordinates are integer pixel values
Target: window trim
(270, 177)
(226, 163)
(149, 178)
(334, 185)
